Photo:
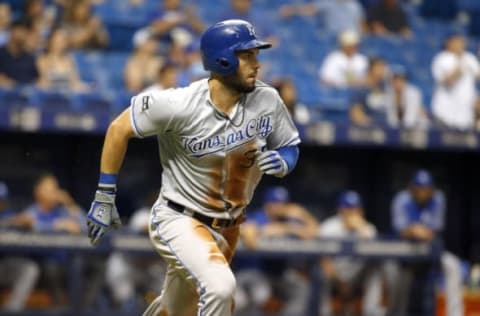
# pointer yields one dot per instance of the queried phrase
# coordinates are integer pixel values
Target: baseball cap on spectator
(422, 178)
(276, 194)
(348, 38)
(3, 191)
(349, 199)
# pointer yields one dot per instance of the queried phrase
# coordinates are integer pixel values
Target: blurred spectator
(455, 71)
(404, 101)
(58, 70)
(85, 31)
(41, 19)
(53, 210)
(5, 17)
(369, 103)
(346, 277)
(260, 281)
(339, 15)
(418, 214)
(19, 274)
(193, 67)
(288, 92)
(128, 276)
(167, 76)
(262, 19)
(175, 23)
(17, 64)
(345, 67)
(388, 18)
(143, 65)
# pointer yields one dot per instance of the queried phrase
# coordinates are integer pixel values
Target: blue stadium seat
(13, 98)
(91, 103)
(51, 101)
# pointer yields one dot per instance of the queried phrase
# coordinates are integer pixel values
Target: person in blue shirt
(418, 214)
(262, 281)
(174, 23)
(53, 211)
(19, 274)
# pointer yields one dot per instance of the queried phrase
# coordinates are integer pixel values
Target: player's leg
(195, 261)
(453, 289)
(177, 294)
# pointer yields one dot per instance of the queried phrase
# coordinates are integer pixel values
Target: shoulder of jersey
(264, 90)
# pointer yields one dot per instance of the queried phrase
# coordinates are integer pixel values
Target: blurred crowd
(37, 42)
(265, 286)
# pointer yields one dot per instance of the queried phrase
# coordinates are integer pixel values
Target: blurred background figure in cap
(418, 214)
(19, 274)
(404, 101)
(275, 285)
(345, 66)
(346, 277)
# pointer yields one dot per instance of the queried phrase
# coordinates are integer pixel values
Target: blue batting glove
(270, 162)
(102, 215)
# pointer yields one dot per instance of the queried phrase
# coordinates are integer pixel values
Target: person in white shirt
(347, 275)
(403, 100)
(345, 67)
(455, 72)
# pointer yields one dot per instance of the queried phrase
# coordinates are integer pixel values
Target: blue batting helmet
(220, 42)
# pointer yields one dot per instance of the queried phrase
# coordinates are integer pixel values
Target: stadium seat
(91, 103)
(51, 101)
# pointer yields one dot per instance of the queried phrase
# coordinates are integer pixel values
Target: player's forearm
(116, 142)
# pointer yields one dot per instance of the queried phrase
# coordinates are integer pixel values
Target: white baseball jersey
(208, 158)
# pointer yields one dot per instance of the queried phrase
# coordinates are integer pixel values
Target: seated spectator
(84, 30)
(192, 69)
(288, 92)
(5, 17)
(53, 210)
(418, 214)
(404, 102)
(339, 15)
(261, 280)
(175, 23)
(58, 70)
(19, 274)
(369, 103)
(345, 276)
(17, 65)
(41, 19)
(345, 67)
(263, 20)
(143, 65)
(388, 18)
(455, 70)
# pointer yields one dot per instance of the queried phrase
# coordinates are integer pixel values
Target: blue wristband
(289, 155)
(107, 180)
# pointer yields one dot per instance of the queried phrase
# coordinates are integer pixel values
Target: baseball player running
(216, 139)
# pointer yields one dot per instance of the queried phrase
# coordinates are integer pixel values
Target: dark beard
(234, 82)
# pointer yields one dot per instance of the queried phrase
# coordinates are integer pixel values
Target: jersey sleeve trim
(133, 122)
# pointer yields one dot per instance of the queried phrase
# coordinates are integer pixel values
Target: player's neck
(223, 97)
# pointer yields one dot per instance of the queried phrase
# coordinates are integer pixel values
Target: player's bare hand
(103, 214)
(271, 162)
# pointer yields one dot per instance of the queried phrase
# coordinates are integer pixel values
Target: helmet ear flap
(223, 62)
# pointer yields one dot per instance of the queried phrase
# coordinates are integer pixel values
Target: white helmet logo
(251, 30)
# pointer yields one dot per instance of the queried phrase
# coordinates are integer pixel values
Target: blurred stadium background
(67, 67)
